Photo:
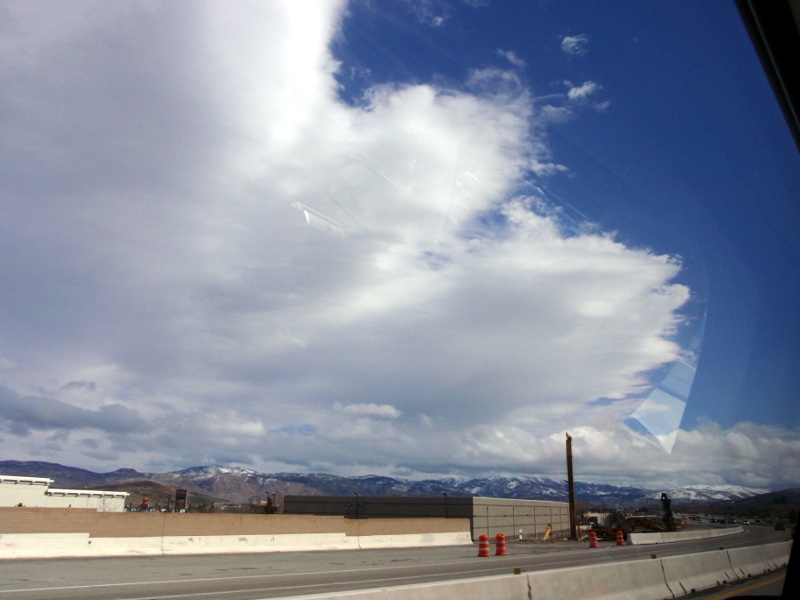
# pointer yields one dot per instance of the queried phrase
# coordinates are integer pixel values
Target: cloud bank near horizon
(217, 260)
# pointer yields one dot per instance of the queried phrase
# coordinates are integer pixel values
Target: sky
(412, 238)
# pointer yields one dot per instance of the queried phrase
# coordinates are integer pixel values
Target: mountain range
(239, 485)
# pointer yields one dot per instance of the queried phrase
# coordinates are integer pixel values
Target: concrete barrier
(638, 539)
(756, 560)
(415, 540)
(634, 580)
(641, 539)
(693, 572)
(750, 561)
(779, 553)
(648, 579)
(503, 587)
(241, 544)
(630, 580)
(58, 545)
(106, 547)
(42, 545)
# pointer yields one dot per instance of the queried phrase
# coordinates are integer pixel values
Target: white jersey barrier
(647, 579)
(73, 545)
(638, 539)
(691, 572)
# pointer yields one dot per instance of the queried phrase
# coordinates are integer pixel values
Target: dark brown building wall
(382, 507)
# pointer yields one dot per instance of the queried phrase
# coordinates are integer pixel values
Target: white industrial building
(36, 492)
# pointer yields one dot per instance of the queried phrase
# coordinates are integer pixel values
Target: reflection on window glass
(407, 238)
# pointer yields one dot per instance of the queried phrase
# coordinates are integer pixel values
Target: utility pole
(573, 525)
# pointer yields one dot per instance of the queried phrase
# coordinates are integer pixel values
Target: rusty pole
(573, 525)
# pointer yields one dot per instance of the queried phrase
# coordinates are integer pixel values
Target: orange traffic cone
(593, 540)
(483, 545)
(620, 538)
(500, 545)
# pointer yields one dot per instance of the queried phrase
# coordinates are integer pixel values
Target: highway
(275, 575)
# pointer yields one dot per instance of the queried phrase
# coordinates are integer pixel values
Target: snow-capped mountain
(200, 473)
(239, 484)
(717, 492)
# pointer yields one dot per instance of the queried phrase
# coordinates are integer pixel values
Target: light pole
(445, 504)
(356, 493)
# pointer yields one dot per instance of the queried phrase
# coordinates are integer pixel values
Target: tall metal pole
(573, 525)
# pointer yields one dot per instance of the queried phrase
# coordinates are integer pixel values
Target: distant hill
(789, 497)
(236, 484)
(65, 477)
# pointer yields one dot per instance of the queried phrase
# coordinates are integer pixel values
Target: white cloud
(385, 411)
(545, 169)
(574, 45)
(586, 89)
(512, 57)
(747, 454)
(414, 307)
(431, 13)
(551, 114)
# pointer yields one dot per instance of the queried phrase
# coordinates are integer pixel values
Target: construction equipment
(645, 524)
(669, 520)
(548, 530)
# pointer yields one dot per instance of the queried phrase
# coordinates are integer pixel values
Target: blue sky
(407, 238)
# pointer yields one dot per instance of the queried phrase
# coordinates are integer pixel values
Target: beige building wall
(157, 524)
(512, 518)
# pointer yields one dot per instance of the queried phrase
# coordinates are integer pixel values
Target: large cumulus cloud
(200, 231)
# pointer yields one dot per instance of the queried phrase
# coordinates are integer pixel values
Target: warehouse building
(36, 492)
(513, 518)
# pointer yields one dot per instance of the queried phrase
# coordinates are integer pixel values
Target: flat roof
(60, 492)
(25, 480)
